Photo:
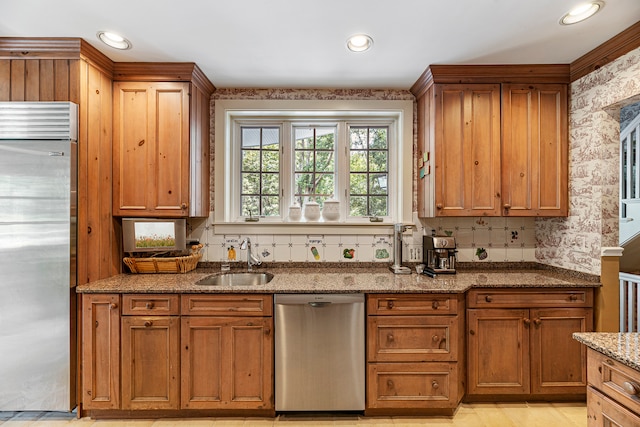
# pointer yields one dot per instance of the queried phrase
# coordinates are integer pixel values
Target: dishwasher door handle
(316, 304)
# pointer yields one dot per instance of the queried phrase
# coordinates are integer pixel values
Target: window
(268, 159)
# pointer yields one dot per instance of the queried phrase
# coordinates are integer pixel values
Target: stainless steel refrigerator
(38, 185)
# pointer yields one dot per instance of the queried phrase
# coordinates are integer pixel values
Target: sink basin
(236, 279)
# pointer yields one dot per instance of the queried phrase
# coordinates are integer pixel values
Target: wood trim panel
(96, 58)
(607, 52)
(163, 72)
(512, 73)
(39, 48)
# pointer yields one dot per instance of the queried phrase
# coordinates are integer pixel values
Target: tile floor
(468, 415)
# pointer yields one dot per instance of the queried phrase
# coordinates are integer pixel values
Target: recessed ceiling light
(581, 12)
(114, 40)
(359, 43)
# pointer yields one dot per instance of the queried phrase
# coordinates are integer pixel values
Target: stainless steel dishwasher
(320, 360)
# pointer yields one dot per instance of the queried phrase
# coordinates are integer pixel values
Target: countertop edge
(606, 343)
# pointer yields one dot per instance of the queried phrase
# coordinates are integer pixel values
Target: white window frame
(231, 114)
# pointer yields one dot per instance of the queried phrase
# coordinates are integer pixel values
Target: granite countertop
(337, 280)
(623, 347)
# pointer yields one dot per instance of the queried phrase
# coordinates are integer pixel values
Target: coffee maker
(439, 254)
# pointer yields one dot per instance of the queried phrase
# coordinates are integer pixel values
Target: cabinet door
(467, 150)
(534, 150)
(150, 362)
(100, 351)
(151, 149)
(498, 351)
(227, 363)
(558, 362)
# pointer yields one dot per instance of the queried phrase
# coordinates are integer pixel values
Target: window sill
(302, 227)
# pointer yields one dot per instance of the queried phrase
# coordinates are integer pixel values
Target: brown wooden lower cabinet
(176, 355)
(517, 350)
(613, 395)
(415, 363)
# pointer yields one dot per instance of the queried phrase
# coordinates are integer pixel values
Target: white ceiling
(301, 43)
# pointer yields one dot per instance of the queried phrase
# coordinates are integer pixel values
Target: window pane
(378, 184)
(250, 137)
(378, 138)
(270, 161)
(378, 206)
(250, 183)
(271, 138)
(324, 184)
(358, 161)
(378, 161)
(357, 206)
(304, 184)
(304, 138)
(358, 183)
(359, 138)
(270, 183)
(250, 160)
(270, 206)
(249, 204)
(324, 161)
(304, 161)
(325, 138)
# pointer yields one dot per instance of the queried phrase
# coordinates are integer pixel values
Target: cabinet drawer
(515, 298)
(602, 411)
(227, 305)
(614, 379)
(150, 304)
(394, 304)
(412, 385)
(412, 338)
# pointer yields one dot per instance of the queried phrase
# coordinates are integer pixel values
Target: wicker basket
(179, 264)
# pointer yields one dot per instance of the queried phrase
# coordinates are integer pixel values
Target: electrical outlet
(415, 254)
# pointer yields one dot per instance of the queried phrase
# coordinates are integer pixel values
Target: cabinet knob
(435, 384)
(476, 163)
(526, 321)
(148, 323)
(631, 388)
(537, 322)
(435, 305)
(149, 305)
(389, 383)
(573, 297)
(389, 305)
(506, 206)
(488, 298)
(183, 206)
(439, 206)
(390, 338)
(113, 305)
(435, 338)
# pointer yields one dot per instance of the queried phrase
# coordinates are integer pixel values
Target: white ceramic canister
(311, 211)
(331, 210)
(295, 212)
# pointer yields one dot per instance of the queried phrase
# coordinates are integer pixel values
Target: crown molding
(162, 72)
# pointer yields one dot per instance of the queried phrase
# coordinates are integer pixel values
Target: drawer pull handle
(148, 323)
(435, 384)
(631, 388)
(149, 305)
(389, 383)
(435, 338)
(390, 338)
(435, 305)
(113, 306)
(389, 305)
(609, 362)
(488, 298)
(573, 297)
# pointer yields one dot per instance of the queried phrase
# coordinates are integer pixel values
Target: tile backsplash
(478, 240)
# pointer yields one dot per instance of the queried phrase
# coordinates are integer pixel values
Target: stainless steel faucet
(251, 259)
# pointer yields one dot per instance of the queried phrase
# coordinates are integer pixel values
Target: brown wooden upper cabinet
(161, 141)
(492, 141)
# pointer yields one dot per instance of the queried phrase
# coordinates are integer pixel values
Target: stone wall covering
(594, 132)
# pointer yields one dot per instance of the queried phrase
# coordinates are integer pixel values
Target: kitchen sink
(236, 279)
